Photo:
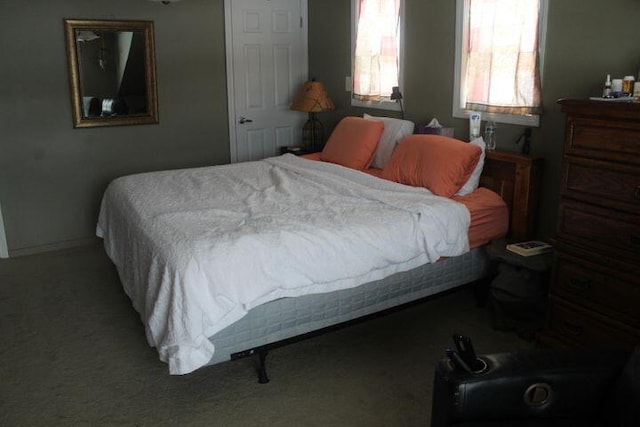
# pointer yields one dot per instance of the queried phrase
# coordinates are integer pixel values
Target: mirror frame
(146, 27)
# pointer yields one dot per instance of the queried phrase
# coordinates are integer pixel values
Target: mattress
(163, 231)
(489, 213)
(286, 318)
(489, 216)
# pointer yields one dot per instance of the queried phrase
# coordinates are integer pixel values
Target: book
(533, 247)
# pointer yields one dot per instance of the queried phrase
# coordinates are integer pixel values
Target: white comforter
(197, 248)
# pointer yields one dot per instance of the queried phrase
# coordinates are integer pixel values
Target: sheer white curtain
(502, 74)
(376, 63)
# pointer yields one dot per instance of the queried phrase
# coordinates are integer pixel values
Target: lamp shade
(312, 98)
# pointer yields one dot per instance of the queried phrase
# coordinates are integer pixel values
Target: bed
(226, 261)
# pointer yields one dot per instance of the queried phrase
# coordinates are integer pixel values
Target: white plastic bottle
(490, 135)
(606, 92)
(475, 123)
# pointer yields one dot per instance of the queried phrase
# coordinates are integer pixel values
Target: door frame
(228, 33)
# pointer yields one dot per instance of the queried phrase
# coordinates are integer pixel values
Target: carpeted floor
(73, 353)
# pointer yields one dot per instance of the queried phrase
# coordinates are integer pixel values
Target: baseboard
(68, 244)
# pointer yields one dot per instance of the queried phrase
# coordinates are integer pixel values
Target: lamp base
(313, 134)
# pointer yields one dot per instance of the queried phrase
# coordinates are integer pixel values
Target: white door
(266, 64)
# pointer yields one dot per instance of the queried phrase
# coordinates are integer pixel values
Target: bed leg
(262, 368)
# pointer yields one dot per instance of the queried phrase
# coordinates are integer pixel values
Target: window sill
(382, 105)
(529, 121)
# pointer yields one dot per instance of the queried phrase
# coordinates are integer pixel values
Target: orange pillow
(353, 143)
(438, 163)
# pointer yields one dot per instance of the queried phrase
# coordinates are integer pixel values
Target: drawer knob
(579, 285)
(572, 329)
(636, 192)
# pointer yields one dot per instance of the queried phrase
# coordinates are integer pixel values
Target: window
(499, 54)
(376, 52)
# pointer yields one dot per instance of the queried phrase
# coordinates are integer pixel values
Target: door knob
(244, 120)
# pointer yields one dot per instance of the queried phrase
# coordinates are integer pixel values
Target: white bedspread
(197, 248)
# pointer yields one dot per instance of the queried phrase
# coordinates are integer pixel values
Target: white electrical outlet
(348, 84)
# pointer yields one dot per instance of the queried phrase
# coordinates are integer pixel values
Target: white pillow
(394, 131)
(474, 180)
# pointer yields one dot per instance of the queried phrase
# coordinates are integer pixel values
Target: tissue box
(426, 129)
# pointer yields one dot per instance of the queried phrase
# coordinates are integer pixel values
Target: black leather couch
(541, 387)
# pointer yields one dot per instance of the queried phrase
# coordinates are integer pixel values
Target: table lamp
(312, 98)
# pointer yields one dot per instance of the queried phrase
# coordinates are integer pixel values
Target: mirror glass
(112, 72)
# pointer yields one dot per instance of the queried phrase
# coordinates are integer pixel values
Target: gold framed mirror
(111, 72)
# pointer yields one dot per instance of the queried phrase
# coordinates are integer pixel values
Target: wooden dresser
(594, 297)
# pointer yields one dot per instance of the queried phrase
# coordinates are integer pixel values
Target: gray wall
(586, 39)
(52, 176)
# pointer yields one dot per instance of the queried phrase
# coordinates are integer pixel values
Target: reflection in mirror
(112, 72)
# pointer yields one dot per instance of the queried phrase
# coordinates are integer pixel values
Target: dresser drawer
(587, 284)
(604, 183)
(596, 226)
(574, 324)
(618, 141)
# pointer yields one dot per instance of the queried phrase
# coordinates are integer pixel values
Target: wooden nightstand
(298, 150)
(521, 191)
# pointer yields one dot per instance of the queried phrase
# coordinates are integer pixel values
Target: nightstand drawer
(598, 288)
(592, 226)
(602, 183)
(580, 326)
